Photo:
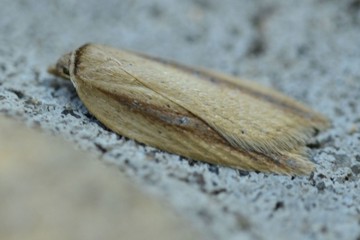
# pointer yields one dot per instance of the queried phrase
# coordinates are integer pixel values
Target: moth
(196, 113)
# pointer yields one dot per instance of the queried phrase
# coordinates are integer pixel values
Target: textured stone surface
(307, 49)
(50, 191)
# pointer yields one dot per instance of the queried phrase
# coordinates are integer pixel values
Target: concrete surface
(307, 49)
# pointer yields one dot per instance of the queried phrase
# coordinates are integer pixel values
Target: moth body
(195, 113)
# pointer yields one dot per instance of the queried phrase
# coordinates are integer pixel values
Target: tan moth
(195, 113)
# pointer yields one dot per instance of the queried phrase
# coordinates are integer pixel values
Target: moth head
(62, 67)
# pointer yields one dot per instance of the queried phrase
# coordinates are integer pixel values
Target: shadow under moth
(195, 113)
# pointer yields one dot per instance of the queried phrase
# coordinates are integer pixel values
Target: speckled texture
(307, 49)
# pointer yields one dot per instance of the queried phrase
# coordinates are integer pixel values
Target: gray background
(307, 49)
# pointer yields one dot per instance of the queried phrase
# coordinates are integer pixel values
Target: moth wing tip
(300, 167)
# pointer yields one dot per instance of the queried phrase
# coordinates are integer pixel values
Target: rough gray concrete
(307, 49)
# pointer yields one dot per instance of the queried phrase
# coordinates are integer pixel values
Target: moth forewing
(239, 112)
(198, 114)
